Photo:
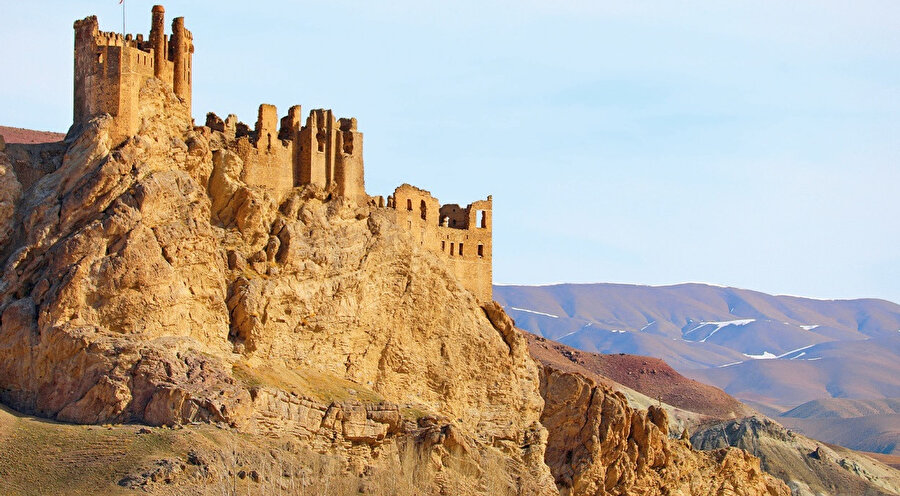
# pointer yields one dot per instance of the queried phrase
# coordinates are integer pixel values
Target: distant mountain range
(774, 353)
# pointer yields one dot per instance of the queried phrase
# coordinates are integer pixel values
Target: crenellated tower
(111, 68)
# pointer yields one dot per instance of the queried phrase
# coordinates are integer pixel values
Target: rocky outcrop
(140, 275)
(808, 466)
(149, 283)
(598, 445)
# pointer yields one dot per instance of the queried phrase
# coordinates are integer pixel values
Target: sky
(753, 144)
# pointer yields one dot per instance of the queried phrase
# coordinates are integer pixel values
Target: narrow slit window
(443, 246)
(483, 222)
(409, 205)
(480, 251)
(452, 248)
(424, 210)
(460, 249)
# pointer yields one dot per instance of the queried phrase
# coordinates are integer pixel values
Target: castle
(278, 154)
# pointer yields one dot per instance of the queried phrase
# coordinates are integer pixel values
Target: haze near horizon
(751, 144)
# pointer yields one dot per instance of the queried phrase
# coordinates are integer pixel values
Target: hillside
(808, 466)
(709, 412)
(17, 135)
(865, 425)
(651, 377)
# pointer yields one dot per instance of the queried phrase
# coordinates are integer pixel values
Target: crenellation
(278, 153)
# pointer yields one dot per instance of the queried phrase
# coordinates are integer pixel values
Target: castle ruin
(278, 154)
(111, 68)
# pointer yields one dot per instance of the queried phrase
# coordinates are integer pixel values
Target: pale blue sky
(746, 143)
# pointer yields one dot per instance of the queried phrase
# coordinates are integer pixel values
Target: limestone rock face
(114, 299)
(598, 445)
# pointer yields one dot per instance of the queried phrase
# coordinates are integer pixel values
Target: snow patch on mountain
(534, 312)
(719, 326)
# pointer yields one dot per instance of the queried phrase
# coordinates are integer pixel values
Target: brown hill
(649, 376)
(873, 433)
(17, 135)
(844, 408)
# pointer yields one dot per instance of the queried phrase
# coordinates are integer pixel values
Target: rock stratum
(148, 283)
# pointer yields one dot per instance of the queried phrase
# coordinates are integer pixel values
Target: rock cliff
(149, 283)
(599, 445)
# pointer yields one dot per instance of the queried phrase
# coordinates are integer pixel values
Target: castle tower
(158, 40)
(182, 48)
(111, 68)
(266, 126)
(348, 166)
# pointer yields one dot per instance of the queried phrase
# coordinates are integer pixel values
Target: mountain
(864, 425)
(771, 352)
(866, 369)
(712, 419)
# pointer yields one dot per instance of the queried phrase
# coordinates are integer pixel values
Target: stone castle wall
(326, 152)
(460, 236)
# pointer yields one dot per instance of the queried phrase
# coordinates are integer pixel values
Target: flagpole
(123, 19)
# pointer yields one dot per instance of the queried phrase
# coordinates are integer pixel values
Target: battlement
(111, 68)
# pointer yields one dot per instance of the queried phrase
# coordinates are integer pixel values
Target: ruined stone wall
(326, 152)
(111, 69)
(331, 155)
(460, 236)
(268, 159)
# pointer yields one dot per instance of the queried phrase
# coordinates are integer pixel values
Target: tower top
(159, 8)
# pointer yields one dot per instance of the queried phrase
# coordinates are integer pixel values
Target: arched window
(409, 204)
(424, 210)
